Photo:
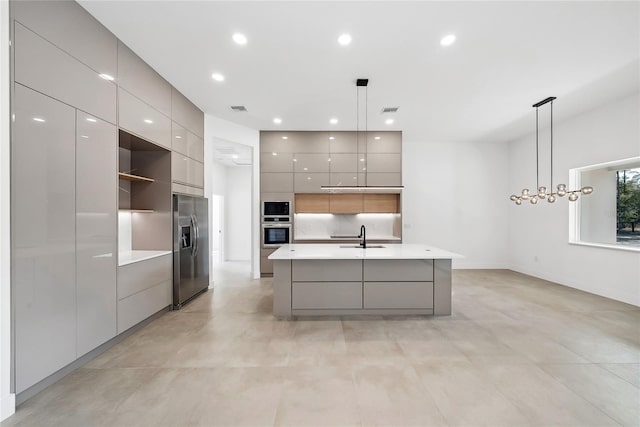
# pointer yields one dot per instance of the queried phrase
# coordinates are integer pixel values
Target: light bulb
(573, 197)
(562, 192)
(525, 191)
(542, 191)
(562, 187)
(587, 190)
(551, 198)
(513, 197)
(518, 202)
(534, 200)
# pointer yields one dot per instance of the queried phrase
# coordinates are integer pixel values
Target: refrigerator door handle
(194, 221)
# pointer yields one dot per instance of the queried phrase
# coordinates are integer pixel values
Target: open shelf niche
(144, 194)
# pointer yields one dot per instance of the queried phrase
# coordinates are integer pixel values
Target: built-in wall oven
(275, 235)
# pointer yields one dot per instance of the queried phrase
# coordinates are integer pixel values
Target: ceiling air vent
(390, 110)
(238, 108)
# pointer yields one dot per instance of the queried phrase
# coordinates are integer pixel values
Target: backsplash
(323, 226)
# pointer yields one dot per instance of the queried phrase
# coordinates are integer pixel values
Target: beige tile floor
(517, 351)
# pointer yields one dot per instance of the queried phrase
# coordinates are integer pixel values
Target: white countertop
(334, 251)
(125, 258)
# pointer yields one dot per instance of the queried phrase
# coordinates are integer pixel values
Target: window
(610, 216)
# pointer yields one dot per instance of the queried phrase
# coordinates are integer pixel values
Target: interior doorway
(217, 220)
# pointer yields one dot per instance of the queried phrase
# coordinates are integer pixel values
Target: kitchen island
(390, 279)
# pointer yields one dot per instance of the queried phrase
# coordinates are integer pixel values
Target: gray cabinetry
(43, 236)
(138, 78)
(310, 182)
(388, 295)
(407, 270)
(72, 29)
(327, 271)
(144, 288)
(43, 67)
(276, 182)
(96, 225)
(142, 120)
(283, 162)
(186, 114)
(326, 295)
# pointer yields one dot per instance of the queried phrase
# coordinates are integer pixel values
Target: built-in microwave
(275, 209)
(275, 235)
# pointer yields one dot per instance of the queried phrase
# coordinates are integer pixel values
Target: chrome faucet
(363, 236)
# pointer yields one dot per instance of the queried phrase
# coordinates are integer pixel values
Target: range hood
(362, 188)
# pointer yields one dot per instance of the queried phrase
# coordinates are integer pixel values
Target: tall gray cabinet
(76, 88)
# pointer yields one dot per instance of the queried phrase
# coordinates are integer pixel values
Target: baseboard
(7, 406)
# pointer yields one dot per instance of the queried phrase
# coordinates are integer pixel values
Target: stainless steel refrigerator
(190, 248)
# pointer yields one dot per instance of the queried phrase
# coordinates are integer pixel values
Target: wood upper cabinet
(311, 203)
(381, 203)
(345, 203)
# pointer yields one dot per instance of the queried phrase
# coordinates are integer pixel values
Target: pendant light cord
(551, 149)
(537, 162)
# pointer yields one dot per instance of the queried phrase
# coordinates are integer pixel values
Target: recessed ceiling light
(377, 137)
(331, 138)
(148, 121)
(285, 137)
(389, 121)
(277, 120)
(239, 38)
(344, 39)
(217, 77)
(333, 121)
(91, 119)
(38, 119)
(106, 77)
(448, 40)
(234, 156)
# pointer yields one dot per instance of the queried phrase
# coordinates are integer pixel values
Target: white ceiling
(231, 154)
(507, 56)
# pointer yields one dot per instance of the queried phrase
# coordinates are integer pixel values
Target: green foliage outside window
(628, 206)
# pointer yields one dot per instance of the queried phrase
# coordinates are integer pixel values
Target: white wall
(215, 127)
(538, 235)
(455, 198)
(237, 224)
(7, 399)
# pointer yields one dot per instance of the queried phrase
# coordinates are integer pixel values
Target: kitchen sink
(360, 247)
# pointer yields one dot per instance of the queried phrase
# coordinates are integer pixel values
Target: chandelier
(561, 189)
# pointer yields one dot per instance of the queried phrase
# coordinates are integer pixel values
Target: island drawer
(335, 270)
(326, 295)
(398, 295)
(398, 270)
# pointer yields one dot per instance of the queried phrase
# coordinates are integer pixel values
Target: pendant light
(362, 83)
(561, 189)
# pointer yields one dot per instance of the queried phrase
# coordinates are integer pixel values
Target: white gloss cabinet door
(41, 66)
(44, 235)
(96, 230)
(141, 119)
